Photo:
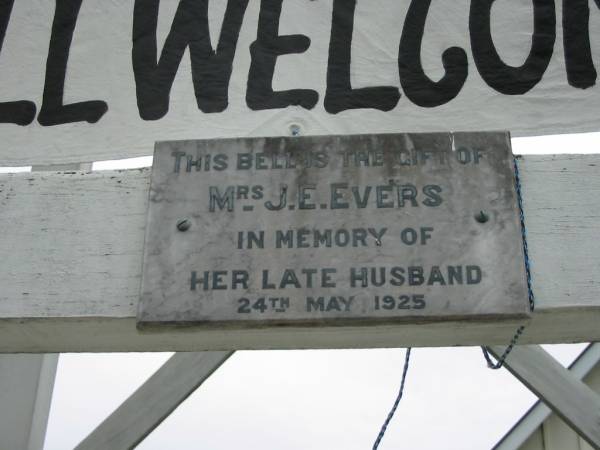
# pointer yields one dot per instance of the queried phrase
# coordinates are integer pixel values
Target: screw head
(295, 129)
(482, 217)
(184, 224)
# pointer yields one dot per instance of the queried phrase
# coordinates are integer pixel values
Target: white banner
(92, 80)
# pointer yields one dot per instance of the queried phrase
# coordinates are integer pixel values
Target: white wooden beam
(152, 402)
(564, 393)
(72, 252)
(27, 382)
(26, 385)
(535, 417)
(85, 167)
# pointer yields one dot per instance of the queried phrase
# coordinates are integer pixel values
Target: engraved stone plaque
(333, 230)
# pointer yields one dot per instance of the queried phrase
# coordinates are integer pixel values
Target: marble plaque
(359, 229)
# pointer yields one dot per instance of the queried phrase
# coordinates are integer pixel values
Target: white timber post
(154, 401)
(560, 390)
(27, 382)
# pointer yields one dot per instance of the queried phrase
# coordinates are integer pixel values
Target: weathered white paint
(555, 435)
(26, 385)
(553, 432)
(154, 400)
(72, 253)
(527, 433)
(572, 400)
(62, 167)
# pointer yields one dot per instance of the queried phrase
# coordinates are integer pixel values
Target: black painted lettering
(435, 276)
(284, 239)
(193, 162)
(313, 304)
(261, 163)
(417, 86)
(194, 281)
(377, 234)
(507, 79)
(377, 157)
(264, 52)
(389, 302)
(304, 196)
(302, 238)
(256, 239)
(455, 275)
(289, 278)
(222, 201)
(424, 156)
(244, 161)
(21, 112)
(415, 276)
(361, 202)
(320, 159)
(217, 280)
(581, 72)
(284, 303)
(407, 192)
(239, 278)
(337, 197)
(342, 238)
(409, 236)
(377, 281)
(276, 162)
(211, 69)
(359, 236)
(257, 192)
(242, 192)
(359, 275)
(177, 156)
(463, 155)
(474, 274)
(266, 284)
(326, 278)
(397, 276)
(346, 302)
(53, 111)
(333, 304)
(383, 194)
(361, 158)
(418, 301)
(403, 302)
(425, 234)
(322, 238)
(220, 162)
(282, 200)
(339, 95)
(402, 157)
(310, 273)
(244, 307)
(432, 192)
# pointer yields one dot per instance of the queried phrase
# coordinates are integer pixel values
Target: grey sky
(305, 400)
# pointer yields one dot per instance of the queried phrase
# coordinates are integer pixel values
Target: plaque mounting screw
(482, 217)
(183, 224)
(295, 129)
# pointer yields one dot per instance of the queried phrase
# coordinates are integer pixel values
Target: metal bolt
(184, 224)
(482, 217)
(295, 129)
